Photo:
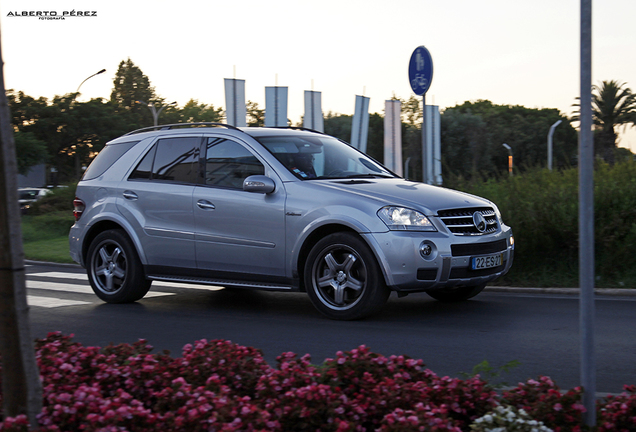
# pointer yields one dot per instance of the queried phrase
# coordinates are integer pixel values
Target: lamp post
(77, 160)
(97, 73)
(154, 111)
(550, 143)
(509, 157)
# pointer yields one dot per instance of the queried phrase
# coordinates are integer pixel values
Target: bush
(543, 400)
(221, 386)
(541, 206)
(59, 200)
(618, 413)
(509, 419)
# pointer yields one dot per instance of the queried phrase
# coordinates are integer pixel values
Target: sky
(510, 52)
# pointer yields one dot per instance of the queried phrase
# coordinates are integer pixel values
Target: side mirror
(259, 184)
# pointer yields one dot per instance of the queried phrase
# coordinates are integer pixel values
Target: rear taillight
(78, 208)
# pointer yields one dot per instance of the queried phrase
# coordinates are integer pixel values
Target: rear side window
(170, 159)
(108, 156)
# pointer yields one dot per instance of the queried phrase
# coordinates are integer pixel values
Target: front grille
(478, 248)
(460, 221)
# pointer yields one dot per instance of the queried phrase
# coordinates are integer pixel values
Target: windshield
(28, 194)
(322, 157)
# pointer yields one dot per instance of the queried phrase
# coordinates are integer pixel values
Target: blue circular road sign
(420, 70)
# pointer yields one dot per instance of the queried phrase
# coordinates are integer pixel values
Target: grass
(45, 229)
(45, 237)
(51, 250)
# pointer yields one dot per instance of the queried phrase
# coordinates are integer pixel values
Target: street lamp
(509, 157)
(550, 143)
(97, 73)
(154, 111)
(77, 161)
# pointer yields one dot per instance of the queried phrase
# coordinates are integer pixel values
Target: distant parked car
(27, 196)
(280, 210)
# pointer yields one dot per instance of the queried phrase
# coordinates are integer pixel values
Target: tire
(114, 269)
(452, 295)
(343, 279)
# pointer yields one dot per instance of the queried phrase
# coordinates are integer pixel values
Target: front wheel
(114, 269)
(343, 279)
(450, 295)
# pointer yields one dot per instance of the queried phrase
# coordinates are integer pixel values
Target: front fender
(328, 222)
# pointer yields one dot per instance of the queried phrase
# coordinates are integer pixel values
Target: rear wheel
(450, 295)
(114, 269)
(343, 278)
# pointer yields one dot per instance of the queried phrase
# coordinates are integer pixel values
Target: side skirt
(226, 279)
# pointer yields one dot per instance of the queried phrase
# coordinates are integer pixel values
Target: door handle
(130, 195)
(205, 205)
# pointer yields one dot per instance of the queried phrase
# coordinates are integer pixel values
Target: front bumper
(447, 265)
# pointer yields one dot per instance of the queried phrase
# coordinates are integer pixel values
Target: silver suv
(281, 210)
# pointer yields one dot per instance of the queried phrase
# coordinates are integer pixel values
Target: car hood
(402, 192)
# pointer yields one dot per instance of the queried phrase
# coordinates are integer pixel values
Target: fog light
(426, 250)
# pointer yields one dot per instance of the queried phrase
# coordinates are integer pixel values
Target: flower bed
(220, 386)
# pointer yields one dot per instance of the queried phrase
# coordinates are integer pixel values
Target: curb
(46, 263)
(568, 291)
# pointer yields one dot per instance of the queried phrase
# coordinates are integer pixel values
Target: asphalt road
(541, 331)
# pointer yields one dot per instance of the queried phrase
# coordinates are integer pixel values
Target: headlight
(403, 219)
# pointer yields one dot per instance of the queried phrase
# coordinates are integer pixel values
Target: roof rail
(178, 125)
(301, 128)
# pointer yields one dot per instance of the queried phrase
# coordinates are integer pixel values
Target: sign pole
(586, 220)
(424, 142)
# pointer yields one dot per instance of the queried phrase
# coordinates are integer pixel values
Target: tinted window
(228, 163)
(170, 159)
(108, 156)
(144, 169)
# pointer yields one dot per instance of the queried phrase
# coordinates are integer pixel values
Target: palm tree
(613, 105)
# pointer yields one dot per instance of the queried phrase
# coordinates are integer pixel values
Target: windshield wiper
(369, 176)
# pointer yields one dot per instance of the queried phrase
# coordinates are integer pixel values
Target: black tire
(114, 269)
(343, 278)
(452, 295)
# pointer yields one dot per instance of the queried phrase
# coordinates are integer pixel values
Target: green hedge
(542, 208)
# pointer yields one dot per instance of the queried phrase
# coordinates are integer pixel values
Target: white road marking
(84, 277)
(51, 302)
(79, 289)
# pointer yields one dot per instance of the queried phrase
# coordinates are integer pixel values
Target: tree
(71, 132)
(338, 125)
(194, 112)
(411, 110)
(30, 151)
(464, 142)
(613, 105)
(472, 135)
(255, 115)
(21, 386)
(129, 86)
(375, 139)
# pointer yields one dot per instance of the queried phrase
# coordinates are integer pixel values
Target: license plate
(488, 261)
